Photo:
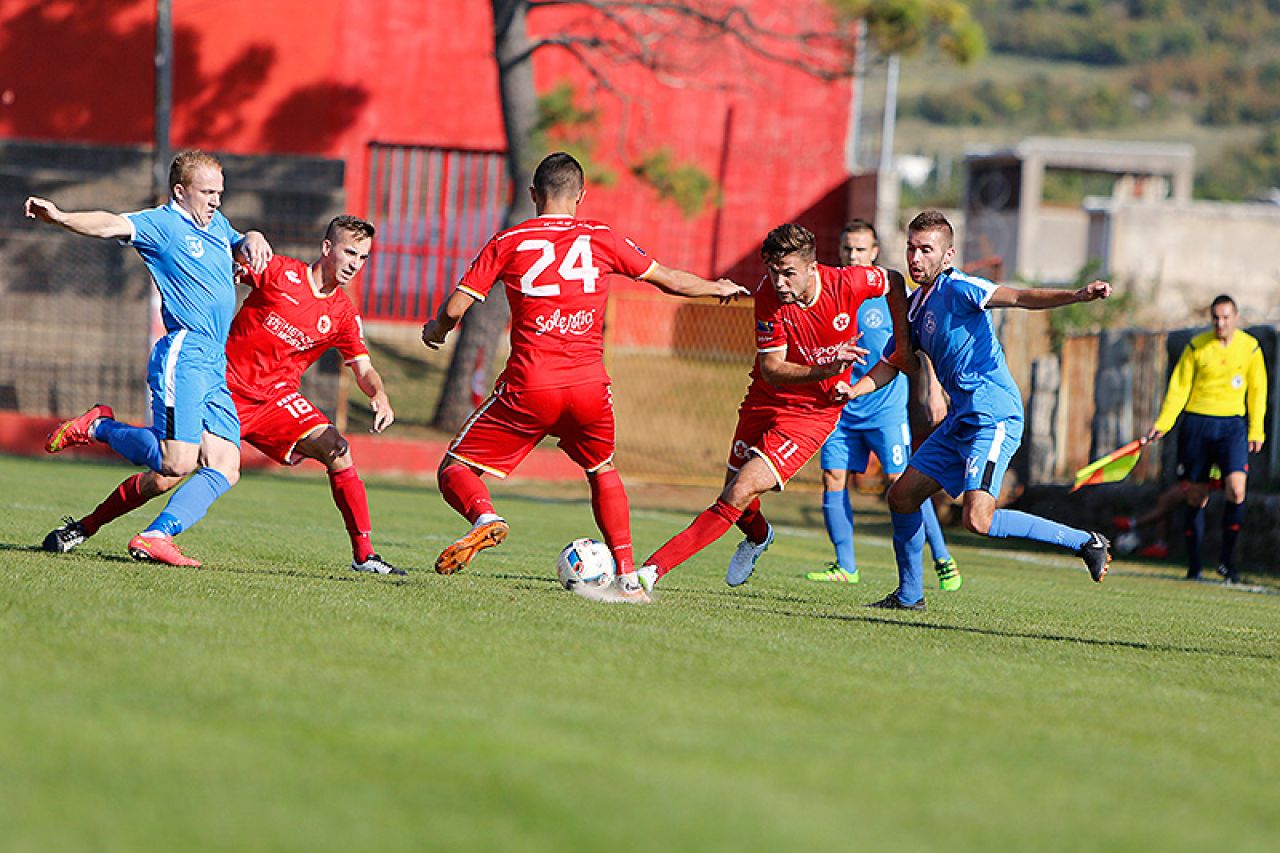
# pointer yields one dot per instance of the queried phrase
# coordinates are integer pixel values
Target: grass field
(274, 700)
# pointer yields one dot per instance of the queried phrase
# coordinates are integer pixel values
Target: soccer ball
(1128, 542)
(585, 562)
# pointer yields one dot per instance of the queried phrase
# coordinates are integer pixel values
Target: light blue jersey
(950, 323)
(886, 407)
(191, 266)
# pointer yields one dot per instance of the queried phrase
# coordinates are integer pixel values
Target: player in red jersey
(554, 267)
(806, 329)
(294, 313)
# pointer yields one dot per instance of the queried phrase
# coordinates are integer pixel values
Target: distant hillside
(1208, 73)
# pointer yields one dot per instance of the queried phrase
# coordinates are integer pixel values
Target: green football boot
(833, 574)
(948, 574)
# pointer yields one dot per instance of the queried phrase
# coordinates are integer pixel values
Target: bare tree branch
(735, 23)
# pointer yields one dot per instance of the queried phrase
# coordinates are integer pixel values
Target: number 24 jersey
(555, 269)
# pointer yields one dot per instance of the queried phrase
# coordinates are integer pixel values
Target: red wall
(328, 76)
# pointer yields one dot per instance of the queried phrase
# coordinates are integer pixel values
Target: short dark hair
(932, 220)
(558, 175)
(184, 164)
(1223, 299)
(360, 228)
(787, 239)
(853, 226)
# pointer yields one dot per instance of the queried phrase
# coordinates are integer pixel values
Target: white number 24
(576, 266)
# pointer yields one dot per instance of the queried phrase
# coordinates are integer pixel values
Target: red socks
(753, 523)
(353, 503)
(710, 525)
(126, 498)
(613, 517)
(463, 490)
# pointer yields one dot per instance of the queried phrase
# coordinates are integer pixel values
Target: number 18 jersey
(555, 269)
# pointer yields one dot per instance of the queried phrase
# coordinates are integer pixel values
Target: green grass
(276, 700)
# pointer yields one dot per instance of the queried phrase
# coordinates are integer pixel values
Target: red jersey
(284, 326)
(556, 272)
(809, 334)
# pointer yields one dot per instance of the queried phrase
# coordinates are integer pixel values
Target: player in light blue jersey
(876, 423)
(188, 247)
(970, 451)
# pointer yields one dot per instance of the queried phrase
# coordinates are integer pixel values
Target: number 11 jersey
(555, 269)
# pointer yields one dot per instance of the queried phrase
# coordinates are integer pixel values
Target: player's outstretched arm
(904, 356)
(88, 223)
(370, 382)
(254, 251)
(1038, 298)
(686, 284)
(877, 377)
(776, 370)
(435, 330)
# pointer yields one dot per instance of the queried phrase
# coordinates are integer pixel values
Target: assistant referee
(1220, 377)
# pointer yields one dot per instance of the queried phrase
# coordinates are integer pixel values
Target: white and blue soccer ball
(585, 563)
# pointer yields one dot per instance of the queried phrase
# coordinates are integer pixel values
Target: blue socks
(137, 444)
(908, 551)
(933, 532)
(838, 516)
(1010, 523)
(190, 502)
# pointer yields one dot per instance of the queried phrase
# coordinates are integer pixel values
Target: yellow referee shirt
(1216, 379)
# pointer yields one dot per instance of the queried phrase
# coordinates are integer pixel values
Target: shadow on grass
(905, 623)
(110, 557)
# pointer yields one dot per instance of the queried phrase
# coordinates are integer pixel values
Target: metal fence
(435, 208)
(75, 313)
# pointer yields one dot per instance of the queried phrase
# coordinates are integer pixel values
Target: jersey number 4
(576, 266)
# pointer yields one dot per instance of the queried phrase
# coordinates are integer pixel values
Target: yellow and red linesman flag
(1113, 467)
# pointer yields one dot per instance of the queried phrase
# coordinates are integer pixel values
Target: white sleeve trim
(133, 230)
(772, 349)
(988, 290)
(474, 294)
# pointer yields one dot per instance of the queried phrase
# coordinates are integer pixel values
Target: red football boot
(75, 432)
(159, 549)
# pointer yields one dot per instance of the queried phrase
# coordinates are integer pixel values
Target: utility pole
(888, 188)
(853, 139)
(160, 153)
(163, 101)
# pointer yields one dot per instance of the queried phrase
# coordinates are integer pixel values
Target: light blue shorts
(968, 456)
(187, 378)
(849, 449)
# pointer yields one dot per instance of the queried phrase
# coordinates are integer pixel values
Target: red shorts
(783, 438)
(507, 426)
(276, 426)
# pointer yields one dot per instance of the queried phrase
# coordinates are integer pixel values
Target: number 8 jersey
(555, 269)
